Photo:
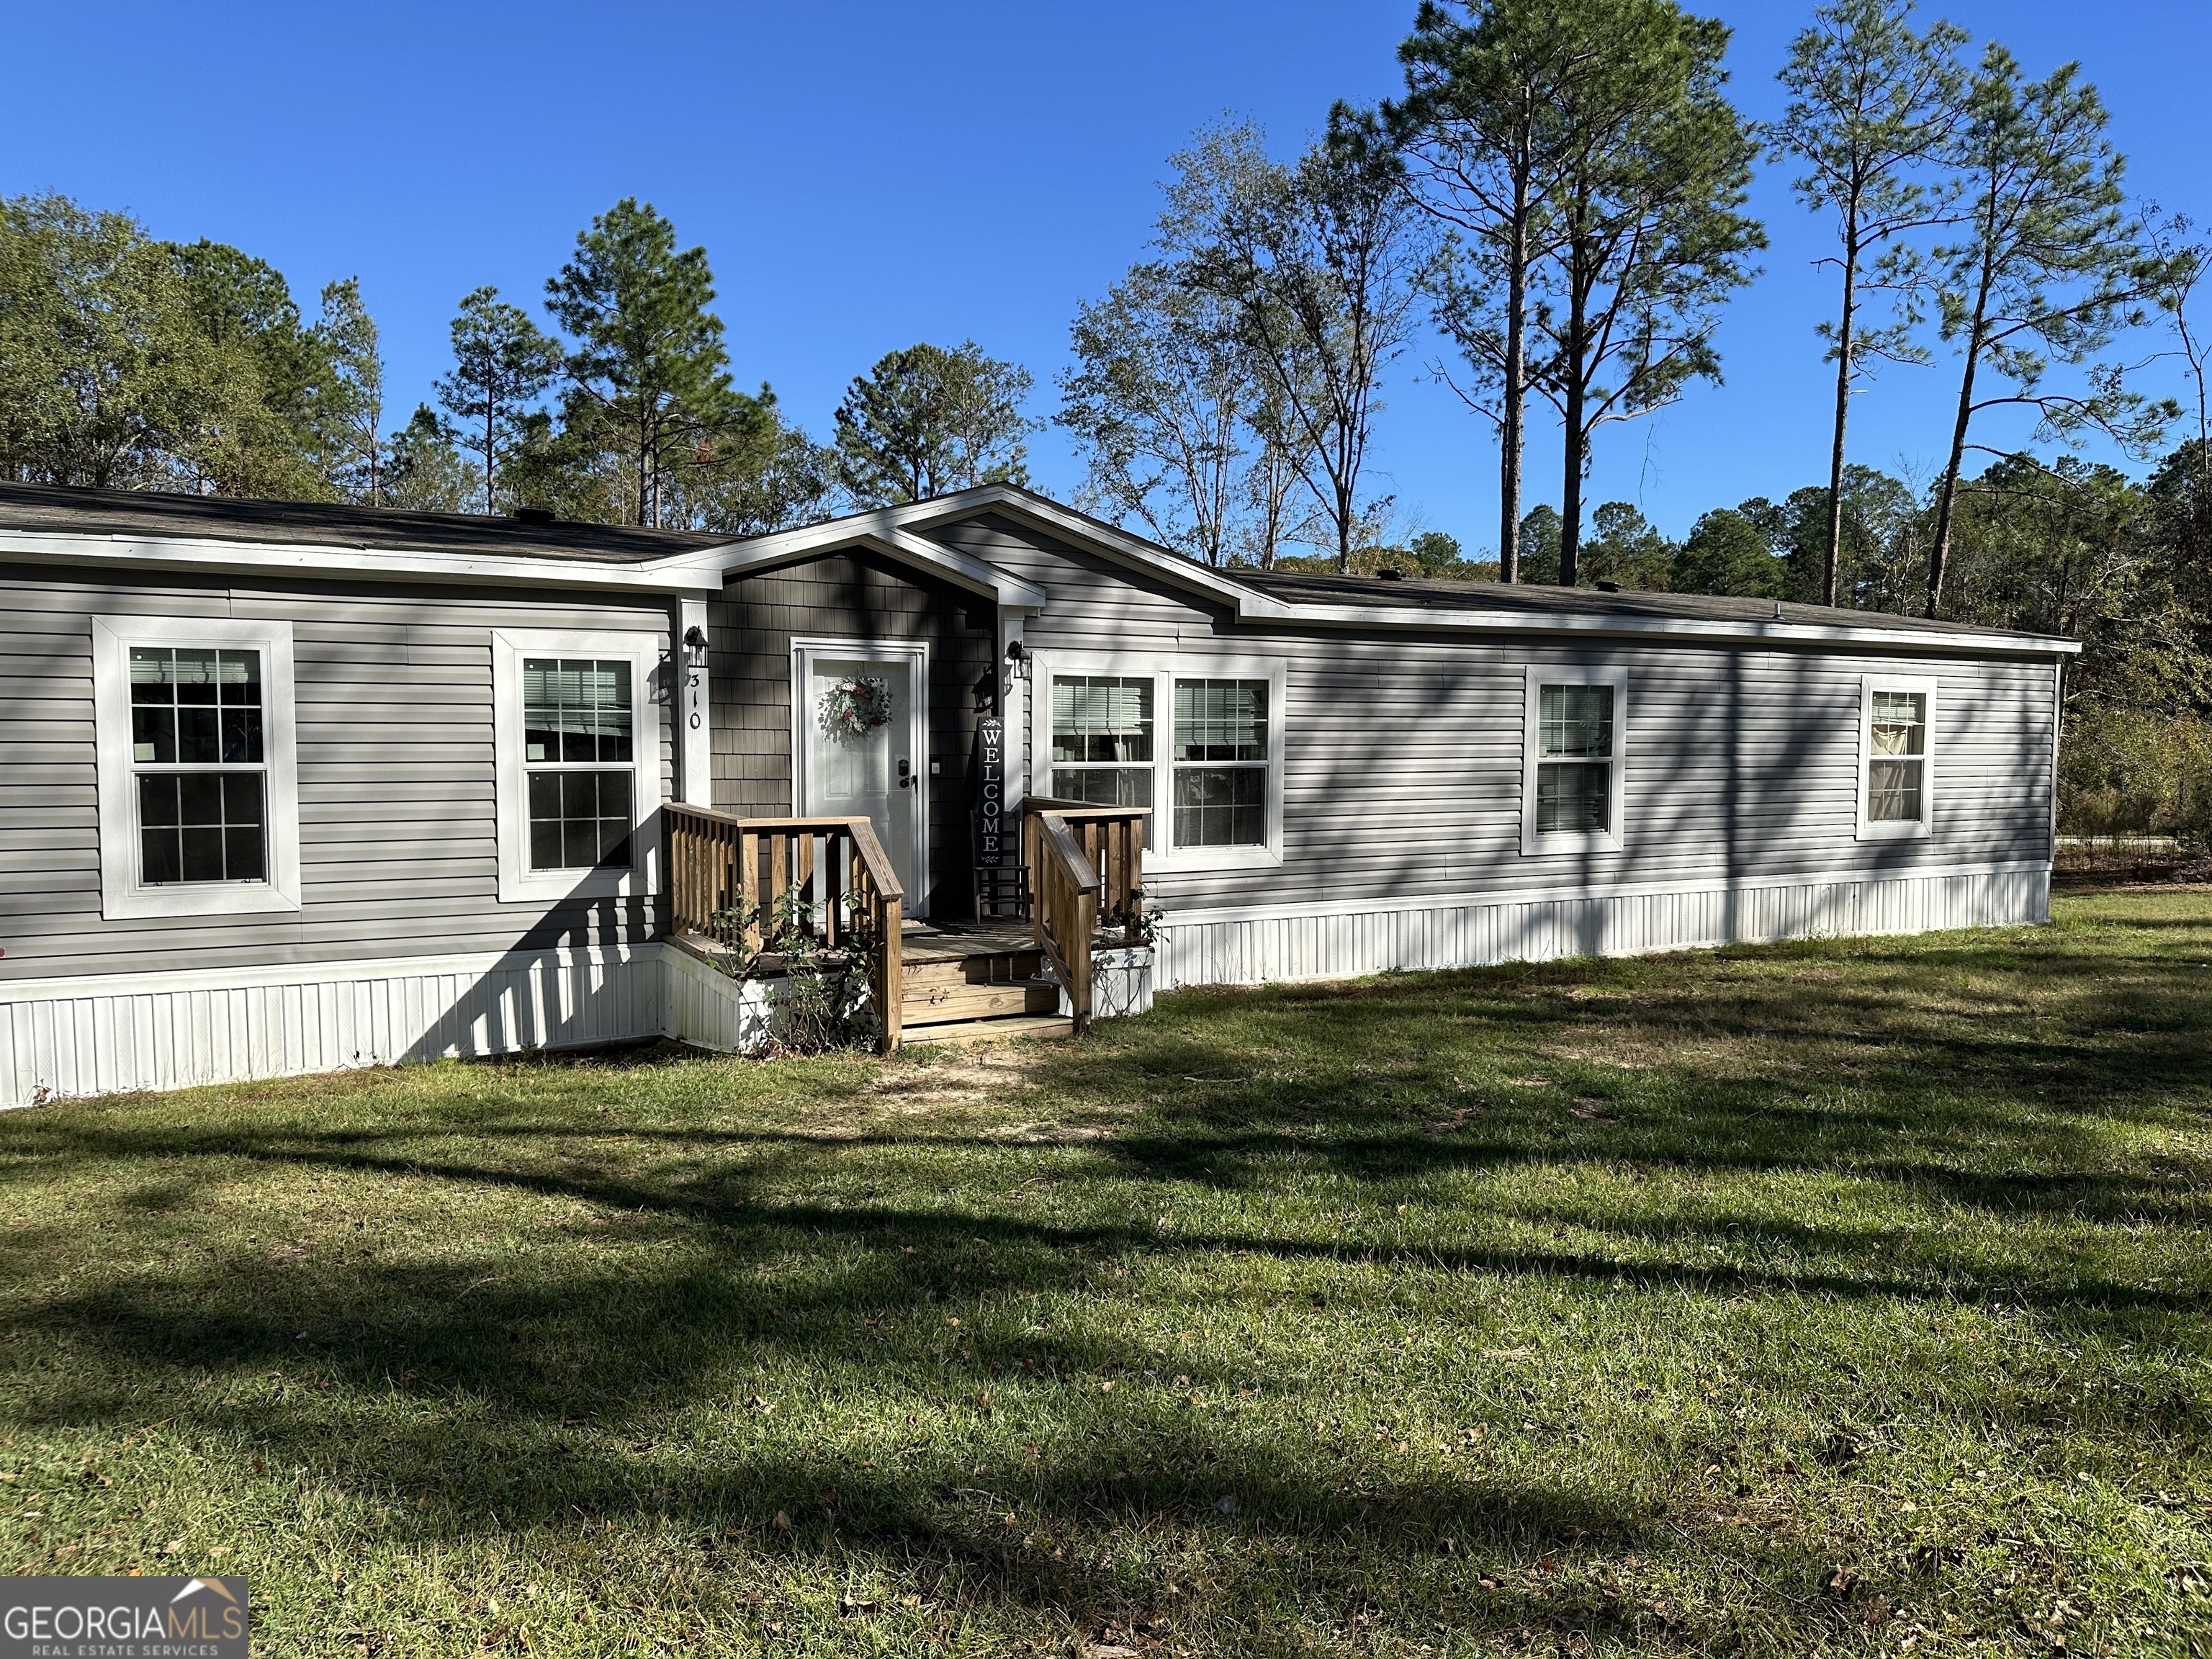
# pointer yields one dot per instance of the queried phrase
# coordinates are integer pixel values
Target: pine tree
(502, 366)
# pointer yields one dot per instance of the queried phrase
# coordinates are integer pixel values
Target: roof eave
(1260, 607)
(323, 560)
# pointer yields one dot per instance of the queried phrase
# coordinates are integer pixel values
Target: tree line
(128, 361)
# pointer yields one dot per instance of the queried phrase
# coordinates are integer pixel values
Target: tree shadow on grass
(2015, 1115)
(561, 1400)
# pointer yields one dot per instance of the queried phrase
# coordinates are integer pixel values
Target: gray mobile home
(293, 788)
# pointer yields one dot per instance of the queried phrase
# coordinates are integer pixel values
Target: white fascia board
(1100, 538)
(878, 531)
(1264, 609)
(318, 560)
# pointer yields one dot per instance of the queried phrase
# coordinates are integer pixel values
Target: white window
(1574, 765)
(1221, 755)
(578, 766)
(1896, 758)
(1102, 741)
(199, 803)
(1196, 739)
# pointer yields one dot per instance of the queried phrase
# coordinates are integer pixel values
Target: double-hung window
(1220, 762)
(1197, 740)
(579, 745)
(1896, 758)
(1102, 738)
(199, 764)
(1574, 760)
(577, 762)
(198, 797)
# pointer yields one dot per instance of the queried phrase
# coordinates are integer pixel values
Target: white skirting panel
(1343, 939)
(90, 1036)
(707, 1008)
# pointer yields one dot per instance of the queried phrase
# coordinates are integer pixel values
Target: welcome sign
(990, 792)
(123, 1619)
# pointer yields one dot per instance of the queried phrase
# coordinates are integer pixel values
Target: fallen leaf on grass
(1507, 1353)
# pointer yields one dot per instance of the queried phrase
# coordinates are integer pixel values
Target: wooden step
(1003, 1029)
(942, 1004)
(990, 969)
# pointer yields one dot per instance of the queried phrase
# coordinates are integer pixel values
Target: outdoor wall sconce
(695, 642)
(1017, 661)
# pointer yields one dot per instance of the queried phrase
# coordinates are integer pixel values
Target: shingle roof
(231, 518)
(1537, 601)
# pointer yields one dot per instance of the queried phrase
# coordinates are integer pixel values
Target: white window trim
(1896, 829)
(1613, 839)
(518, 883)
(122, 895)
(1164, 669)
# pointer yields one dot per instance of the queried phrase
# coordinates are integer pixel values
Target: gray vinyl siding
(848, 596)
(393, 693)
(1403, 758)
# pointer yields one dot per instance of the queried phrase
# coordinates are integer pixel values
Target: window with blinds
(199, 774)
(1574, 759)
(1101, 739)
(1220, 762)
(579, 748)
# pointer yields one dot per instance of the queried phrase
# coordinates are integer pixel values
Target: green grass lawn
(1843, 1298)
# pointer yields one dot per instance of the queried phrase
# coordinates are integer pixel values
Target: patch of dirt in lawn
(964, 1077)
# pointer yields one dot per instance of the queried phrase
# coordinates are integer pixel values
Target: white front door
(862, 751)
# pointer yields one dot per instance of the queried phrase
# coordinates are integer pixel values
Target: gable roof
(1367, 602)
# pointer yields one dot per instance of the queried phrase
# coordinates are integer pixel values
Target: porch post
(1013, 711)
(692, 708)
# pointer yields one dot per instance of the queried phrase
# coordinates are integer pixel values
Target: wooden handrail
(1067, 908)
(887, 971)
(1112, 837)
(1086, 866)
(718, 861)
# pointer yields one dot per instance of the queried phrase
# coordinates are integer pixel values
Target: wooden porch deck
(734, 881)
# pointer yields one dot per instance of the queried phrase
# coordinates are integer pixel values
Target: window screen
(1574, 765)
(1221, 763)
(1896, 758)
(200, 779)
(1101, 739)
(578, 747)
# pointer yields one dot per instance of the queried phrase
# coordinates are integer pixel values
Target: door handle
(906, 773)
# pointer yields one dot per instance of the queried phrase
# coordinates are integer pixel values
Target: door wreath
(852, 708)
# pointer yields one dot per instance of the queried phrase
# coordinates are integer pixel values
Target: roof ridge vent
(532, 515)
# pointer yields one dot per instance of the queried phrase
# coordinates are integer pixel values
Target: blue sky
(866, 175)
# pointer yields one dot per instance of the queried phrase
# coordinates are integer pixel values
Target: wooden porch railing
(1086, 865)
(716, 860)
